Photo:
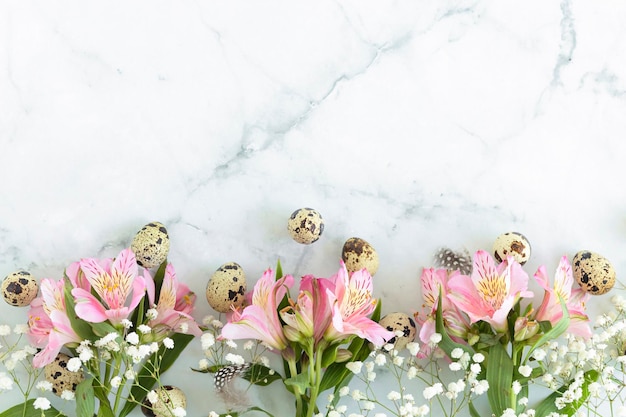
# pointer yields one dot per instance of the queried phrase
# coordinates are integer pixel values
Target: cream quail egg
(19, 288)
(358, 254)
(399, 323)
(151, 245)
(513, 244)
(226, 288)
(62, 379)
(168, 398)
(305, 225)
(593, 272)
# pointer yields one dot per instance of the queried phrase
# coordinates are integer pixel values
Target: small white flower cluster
(409, 374)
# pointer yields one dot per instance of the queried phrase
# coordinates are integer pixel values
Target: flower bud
(525, 329)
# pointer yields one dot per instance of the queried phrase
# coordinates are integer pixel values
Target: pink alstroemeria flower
(433, 282)
(260, 320)
(491, 292)
(574, 299)
(174, 307)
(311, 315)
(48, 325)
(113, 281)
(351, 303)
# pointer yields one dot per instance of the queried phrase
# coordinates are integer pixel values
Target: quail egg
(305, 225)
(513, 244)
(62, 379)
(226, 288)
(399, 323)
(168, 398)
(358, 254)
(19, 288)
(151, 245)
(593, 272)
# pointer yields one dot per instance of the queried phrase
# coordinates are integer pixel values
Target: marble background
(413, 125)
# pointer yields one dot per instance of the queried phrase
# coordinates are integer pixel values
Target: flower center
(493, 291)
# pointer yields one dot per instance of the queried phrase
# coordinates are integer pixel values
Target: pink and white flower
(491, 291)
(574, 299)
(435, 281)
(174, 306)
(260, 320)
(48, 324)
(351, 304)
(113, 281)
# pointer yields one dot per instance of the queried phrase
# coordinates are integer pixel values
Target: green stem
(293, 370)
(315, 381)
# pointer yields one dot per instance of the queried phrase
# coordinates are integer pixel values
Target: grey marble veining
(412, 125)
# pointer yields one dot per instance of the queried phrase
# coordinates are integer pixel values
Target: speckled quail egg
(168, 399)
(226, 288)
(594, 273)
(358, 254)
(401, 322)
(62, 379)
(305, 225)
(19, 288)
(151, 245)
(513, 244)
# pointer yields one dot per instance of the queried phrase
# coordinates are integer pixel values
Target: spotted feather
(452, 261)
(227, 374)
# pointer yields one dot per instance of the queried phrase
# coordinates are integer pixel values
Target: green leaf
(500, 377)
(548, 405)
(554, 332)
(85, 399)
(329, 355)
(447, 344)
(145, 379)
(473, 411)
(261, 375)
(81, 327)
(279, 270)
(27, 410)
(301, 381)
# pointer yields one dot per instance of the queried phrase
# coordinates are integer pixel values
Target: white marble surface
(411, 124)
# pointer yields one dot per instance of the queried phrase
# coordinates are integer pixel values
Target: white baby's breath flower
(116, 381)
(343, 391)
(456, 353)
(368, 405)
(130, 374)
(342, 408)
(5, 330)
(509, 412)
(207, 340)
(132, 338)
(85, 354)
(539, 354)
(231, 344)
(6, 383)
(203, 364)
(179, 412)
(394, 396)
(455, 366)
(475, 368)
(126, 323)
(413, 348)
(357, 395)
(144, 329)
(478, 357)
(217, 324)
(68, 395)
(18, 355)
(22, 329)
(371, 376)
(435, 338)
(412, 373)
(354, 367)
(184, 327)
(41, 403)
(398, 360)
(213, 414)
(44, 385)
(523, 401)
(516, 387)
(525, 370)
(248, 345)
(430, 392)
(153, 397)
(74, 364)
(168, 343)
(235, 359)
(152, 314)
(380, 359)
(154, 347)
